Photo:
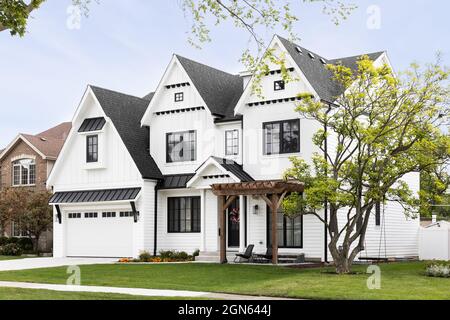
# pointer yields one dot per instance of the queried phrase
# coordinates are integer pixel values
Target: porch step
(214, 256)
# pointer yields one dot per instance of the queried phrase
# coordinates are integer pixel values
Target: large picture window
(290, 230)
(92, 148)
(183, 214)
(232, 142)
(24, 172)
(181, 146)
(281, 137)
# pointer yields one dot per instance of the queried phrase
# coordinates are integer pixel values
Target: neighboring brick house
(27, 162)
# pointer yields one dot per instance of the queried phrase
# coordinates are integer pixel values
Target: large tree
(13, 201)
(382, 128)
(38, 216)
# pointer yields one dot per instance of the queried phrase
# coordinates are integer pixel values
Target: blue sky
(125, 45)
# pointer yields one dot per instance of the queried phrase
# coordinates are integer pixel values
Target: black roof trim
(92, 124)
(89, 196)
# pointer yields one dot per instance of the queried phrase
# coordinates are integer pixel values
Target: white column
(203, 220)
(241, 224)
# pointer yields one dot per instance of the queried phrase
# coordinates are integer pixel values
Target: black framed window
(181, 146)
(183, 215)
(179, 96)
(232, 142)
(278, 85)
(289, 230)
(378, 214)
(281, 137)
(75, 215)
(92, 148)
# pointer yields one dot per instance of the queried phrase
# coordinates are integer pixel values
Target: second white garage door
(99, 234)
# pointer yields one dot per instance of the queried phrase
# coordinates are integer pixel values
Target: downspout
(155, 236)
(326, 200)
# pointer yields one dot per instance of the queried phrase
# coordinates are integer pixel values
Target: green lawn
(31, 294)
(398, 280)
(12, 258)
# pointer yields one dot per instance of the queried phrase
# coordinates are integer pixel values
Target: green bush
(145, 257)
(26, 244)
(196, 253)
(174, 255)
(11, 249)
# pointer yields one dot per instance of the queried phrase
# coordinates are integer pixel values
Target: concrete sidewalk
(37, 263)
(132, 291)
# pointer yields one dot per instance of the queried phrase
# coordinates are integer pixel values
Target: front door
(233, 224)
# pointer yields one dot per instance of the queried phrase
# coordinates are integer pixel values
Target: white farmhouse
(136, 174)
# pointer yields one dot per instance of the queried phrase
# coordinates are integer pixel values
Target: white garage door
(99, 234)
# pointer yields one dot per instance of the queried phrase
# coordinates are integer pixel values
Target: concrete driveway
(37, 263)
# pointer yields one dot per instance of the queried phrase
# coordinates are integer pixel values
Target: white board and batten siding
(116, 169)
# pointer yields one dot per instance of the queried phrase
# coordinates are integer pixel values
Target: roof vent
(311, 55)
(323, 61)
(299, 50)
(43, 139)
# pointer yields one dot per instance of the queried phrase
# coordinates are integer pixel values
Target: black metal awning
(128, 194)
(92, 124)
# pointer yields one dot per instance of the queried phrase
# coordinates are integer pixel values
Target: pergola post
(222, 229)
(274, 209)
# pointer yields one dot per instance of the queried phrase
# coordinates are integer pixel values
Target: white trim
(210, 161)
(73, 132)
(241, 103)
(21, 137)
(161, 87)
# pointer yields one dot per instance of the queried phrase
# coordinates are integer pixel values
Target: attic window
(299, 50)
(311, 55)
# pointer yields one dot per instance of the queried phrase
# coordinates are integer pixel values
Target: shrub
(11, 249)
(441, 270)
(145, 256)
(26, 244)
(174, 256)
(196, 253)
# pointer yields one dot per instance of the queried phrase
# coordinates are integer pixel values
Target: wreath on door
(234, 215)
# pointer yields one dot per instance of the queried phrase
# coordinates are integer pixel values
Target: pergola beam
(272, 192)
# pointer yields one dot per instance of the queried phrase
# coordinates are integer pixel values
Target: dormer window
(278, 85)
(24, 172)
(179, 96)
(92, 149)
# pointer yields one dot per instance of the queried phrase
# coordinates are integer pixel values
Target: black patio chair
(264, 257)
(248, 254)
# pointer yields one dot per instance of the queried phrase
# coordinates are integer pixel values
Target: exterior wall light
(255, 209)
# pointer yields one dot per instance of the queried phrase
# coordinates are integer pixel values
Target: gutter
(155, 235)
(326, 200)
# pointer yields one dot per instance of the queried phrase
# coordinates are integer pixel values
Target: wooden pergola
(271, 191)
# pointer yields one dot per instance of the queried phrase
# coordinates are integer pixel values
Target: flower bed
(164, 256)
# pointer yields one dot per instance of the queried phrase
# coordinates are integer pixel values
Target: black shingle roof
(220, 90)
(320, 78)
(126, 112)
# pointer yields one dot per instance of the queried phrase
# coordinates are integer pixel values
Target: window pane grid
(92, 149)
(181, 146)
(281, 137)
(289, 230)
(183, 214)
(24, 172)
(232, 142)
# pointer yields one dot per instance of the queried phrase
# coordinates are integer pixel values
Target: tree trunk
(35, 240)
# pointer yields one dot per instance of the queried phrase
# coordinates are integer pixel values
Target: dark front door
(233, 224)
